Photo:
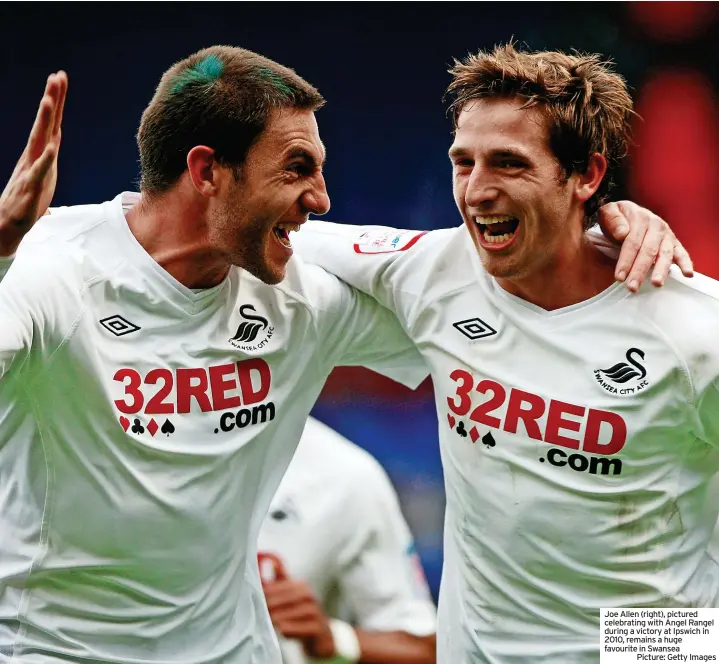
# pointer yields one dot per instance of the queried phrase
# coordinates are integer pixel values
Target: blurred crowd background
(382, 68)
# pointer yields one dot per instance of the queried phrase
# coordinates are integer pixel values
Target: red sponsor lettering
(209, 389)
(592, 433)
(220, 387)
(529, 416)
(464, 382)
(157, 405)
(482, 412)
(603, 432)
(132, 383)
(555, 422)
(192, 383)
(246, 369)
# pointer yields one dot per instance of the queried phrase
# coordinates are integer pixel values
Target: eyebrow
(511, 153)
(302, 153)
(457, 152)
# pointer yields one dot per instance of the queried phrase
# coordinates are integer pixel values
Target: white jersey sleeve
(380, 575)
(377, 260)
(35, 313)
(356, 330)
(16, 328)
(368, 258)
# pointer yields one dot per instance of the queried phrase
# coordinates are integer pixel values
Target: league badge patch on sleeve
(386, 241)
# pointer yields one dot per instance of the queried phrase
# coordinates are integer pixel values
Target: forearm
(396, 648)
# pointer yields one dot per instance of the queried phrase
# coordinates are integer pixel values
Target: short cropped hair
(221, 97)
(587, 104)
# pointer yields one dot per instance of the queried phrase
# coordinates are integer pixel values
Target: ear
(589, 181)
(202, 167)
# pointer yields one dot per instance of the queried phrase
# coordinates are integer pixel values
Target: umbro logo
(119, 326)
(474, 328)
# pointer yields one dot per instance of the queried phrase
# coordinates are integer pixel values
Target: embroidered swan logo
(623, 372)
(248, 330)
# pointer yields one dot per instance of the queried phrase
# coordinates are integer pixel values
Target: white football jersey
(579, 445)
(144, 428)
(335, 522)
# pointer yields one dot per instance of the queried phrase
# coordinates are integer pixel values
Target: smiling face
(521, 212)
(280, 185)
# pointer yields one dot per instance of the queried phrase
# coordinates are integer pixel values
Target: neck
(574, 275)
(172, 229)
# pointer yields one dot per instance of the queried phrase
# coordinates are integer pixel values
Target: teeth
(497, 238)
(289, 227)
(493, 219)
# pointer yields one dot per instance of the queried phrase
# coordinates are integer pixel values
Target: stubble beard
(247, 243)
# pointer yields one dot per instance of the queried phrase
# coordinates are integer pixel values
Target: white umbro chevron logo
(474, 328)
(118, 325)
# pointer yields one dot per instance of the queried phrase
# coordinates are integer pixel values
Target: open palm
(30, 189)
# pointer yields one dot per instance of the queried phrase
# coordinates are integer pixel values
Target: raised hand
(30, 189)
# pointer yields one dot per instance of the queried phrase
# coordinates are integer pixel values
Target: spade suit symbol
(488, 439)
(167, 428)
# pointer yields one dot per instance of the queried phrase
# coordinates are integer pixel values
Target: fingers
(42, 166)
(49, 116)
(295, 613)
(279, 594)
(683, 260)
(613, 221)
(301, 629)
(40, 132)
(664, 260)
(271, 567)
(629, 252)
(636, 230)
(647, 252)
(61, 95)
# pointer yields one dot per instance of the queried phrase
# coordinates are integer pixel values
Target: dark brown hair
(587, 104)
(221, 97)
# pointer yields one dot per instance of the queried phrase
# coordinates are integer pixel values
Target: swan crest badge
(624, 378)
(254, 331)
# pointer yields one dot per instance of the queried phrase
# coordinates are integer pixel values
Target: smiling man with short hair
(578, 422)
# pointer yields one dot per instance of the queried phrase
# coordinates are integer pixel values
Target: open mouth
(497, 229)
(282, 233)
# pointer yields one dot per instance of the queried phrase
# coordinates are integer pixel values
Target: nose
(482, 191)
(316, 200)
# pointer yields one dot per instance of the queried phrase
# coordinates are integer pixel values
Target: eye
(510, 163)
(299, 168)
(463, 163)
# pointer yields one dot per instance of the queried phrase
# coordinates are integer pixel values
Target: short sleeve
(372, 259)
(38, 301)
(381, 578)
(356, 330)
(16, 319)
